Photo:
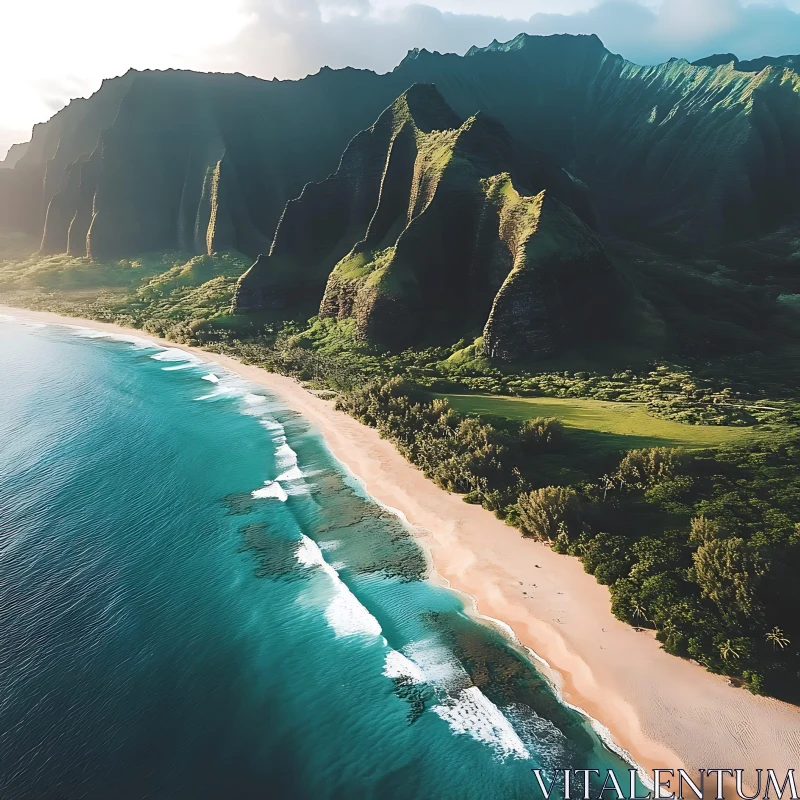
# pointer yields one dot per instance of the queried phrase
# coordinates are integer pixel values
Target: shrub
(546, 513)
(541, 434)
(642, 468)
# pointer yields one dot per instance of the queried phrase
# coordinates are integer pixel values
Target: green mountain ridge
(421, 227)
(179, 159)
(686, 174)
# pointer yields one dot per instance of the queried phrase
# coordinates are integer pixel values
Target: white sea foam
(86, 333)
(220, 391)
(186, 365)
(538, 733)
(297, 489)
(271, 489)
(272, 425)
(285, 457)
(308, 553)
(254, 399)
(348, 617)
(6, 318)
(211, 377)
(292, 474)
(345, 613)
(440, 667)
(176, 354)
(398, 666)
(472, 713)
(140, 342)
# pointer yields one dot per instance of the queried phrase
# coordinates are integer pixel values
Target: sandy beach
(664, 711)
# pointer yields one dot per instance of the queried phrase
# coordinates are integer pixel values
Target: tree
(544, 513)
(703, 530)
(777, 638)
(642, 468)
(727, 650)
(728, 572)
(540, 434)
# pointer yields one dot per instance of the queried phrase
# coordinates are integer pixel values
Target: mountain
(154, 160)
(753, 65)
(422, 230)
(158, 160)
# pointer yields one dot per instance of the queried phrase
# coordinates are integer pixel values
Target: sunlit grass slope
(627, 425)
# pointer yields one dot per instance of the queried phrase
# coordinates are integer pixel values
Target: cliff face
(177, 159)
(561, 289)
(15, 153)
(695, 152)
(183, 160)
(422, 231)
(320, 226)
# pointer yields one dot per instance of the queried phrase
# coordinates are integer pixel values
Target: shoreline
(661, 711)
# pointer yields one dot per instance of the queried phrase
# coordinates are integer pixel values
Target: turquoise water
(197, 602)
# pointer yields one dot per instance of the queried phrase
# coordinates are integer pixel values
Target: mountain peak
(717, 60)
(415, 54)
(425, 106)
(544, 45)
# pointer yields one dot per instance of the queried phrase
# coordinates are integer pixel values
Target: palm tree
(639, 611)
(727, 650)
(777, 638)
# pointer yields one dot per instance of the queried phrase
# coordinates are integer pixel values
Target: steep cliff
(15, 153)
(752, 65)
(561, 289)
(322, 224)
(185, 160)
(421, 227)
(698, 153)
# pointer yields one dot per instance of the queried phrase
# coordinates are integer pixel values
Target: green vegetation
(706, 550)
(701, 546)
(64, 273)
(174, 295)
(626, 425)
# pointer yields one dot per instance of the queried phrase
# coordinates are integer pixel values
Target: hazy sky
(53, 50)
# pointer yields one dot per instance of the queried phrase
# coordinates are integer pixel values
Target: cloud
(53, 51)
(90, 40)
(682, 28)
(289, 40)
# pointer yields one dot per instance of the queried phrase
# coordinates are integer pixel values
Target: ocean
(198, 601)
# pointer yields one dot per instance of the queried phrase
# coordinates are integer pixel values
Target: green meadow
(627, 423)
(597, 432)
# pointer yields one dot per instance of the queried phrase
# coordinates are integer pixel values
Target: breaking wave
(176, 354)
(345, 613)
(271, 489)
(472, 713)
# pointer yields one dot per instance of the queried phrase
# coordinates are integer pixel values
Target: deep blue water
(167, 634)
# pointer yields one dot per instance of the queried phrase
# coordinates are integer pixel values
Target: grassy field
(597, 432)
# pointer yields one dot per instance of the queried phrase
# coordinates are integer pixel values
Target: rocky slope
(422, 230)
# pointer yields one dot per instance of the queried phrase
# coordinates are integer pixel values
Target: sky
(54, 50)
